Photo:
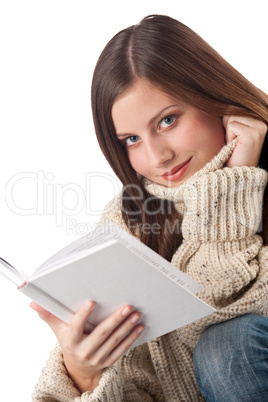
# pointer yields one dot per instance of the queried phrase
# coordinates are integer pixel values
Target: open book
(113, 268)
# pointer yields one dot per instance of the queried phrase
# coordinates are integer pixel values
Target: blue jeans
(231, 360)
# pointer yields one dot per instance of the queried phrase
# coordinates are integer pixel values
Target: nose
(158, 152)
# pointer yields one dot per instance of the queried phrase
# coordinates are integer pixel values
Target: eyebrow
(151, 120)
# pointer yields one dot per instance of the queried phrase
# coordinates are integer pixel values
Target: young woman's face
(167, 141)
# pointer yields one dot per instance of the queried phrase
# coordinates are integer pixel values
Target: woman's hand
(251, 134)
(86, 355)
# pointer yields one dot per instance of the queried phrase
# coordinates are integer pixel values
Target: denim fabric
(231, 360)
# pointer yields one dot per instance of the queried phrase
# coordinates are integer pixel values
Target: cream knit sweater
(220, 210)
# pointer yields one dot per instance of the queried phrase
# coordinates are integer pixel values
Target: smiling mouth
(177, 172)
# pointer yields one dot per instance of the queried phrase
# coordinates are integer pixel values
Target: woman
(164, 106)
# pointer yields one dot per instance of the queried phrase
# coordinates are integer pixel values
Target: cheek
(137, 162)
(218, 135)
(208, 132)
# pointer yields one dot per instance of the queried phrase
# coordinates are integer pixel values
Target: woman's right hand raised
(87, 355)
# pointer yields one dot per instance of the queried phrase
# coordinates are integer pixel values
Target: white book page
(91, 242)
(154, 259)
(11, 273)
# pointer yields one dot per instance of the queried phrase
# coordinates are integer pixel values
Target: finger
(225, 120)
(247, 135)
(117, 336)
(247, 121)
(79, 319)
(54, 322)
(102, 332)
(230, 133)
(125, 344)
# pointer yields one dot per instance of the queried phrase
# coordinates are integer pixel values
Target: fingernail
(89, 304)
(140, 330)
(126, 311)
(135, 318)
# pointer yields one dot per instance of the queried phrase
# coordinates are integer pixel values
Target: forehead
(141, 88)
(141, 101)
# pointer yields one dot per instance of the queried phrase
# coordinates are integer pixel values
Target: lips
(177, 172)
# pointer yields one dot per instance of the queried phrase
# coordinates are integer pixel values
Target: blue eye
(167, 121)
(133, 139)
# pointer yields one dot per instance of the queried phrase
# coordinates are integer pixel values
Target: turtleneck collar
(217, 202)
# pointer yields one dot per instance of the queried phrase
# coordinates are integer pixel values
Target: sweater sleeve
(132, 378)
(55, 384)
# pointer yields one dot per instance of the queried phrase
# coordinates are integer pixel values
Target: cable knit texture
(220, 210)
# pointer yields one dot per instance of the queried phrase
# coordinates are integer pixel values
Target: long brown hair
(175, 59)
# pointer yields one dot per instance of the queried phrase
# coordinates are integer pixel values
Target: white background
(48, 51)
